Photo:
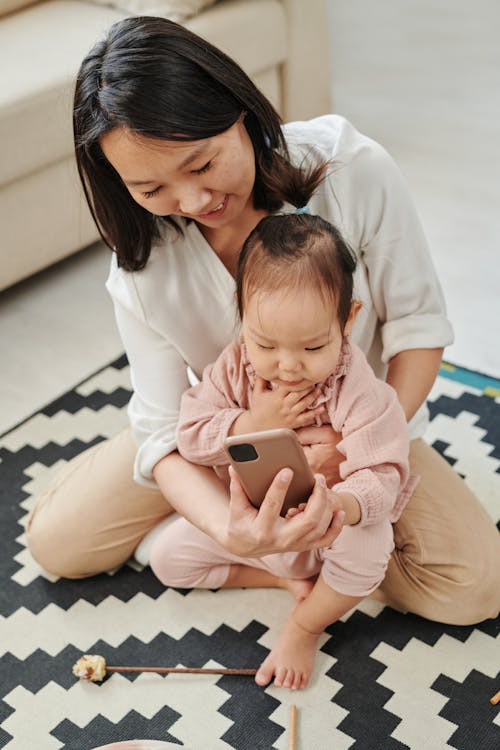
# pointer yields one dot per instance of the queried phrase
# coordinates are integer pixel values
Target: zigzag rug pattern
(382, 679)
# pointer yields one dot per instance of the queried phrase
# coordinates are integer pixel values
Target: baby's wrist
(242, 424)
(351, 507)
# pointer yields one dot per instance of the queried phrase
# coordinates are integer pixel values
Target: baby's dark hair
(295, 250)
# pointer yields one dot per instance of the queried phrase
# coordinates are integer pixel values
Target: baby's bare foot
(292, 659)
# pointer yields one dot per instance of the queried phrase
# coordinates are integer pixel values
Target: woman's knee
(475, 589)
(52, 548)
(461, 590)
(93, 515)
(447, 552)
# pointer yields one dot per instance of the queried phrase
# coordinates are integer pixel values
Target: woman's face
(209, 180)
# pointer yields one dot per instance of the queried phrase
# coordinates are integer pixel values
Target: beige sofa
(282, 44)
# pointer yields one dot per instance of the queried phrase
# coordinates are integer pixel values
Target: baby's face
(293, 338)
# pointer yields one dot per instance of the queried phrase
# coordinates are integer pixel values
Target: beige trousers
(445, 565)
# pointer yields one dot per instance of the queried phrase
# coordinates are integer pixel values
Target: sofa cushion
(43, 46)
(176, 10)
(48, 41)
(10, 6)
(253, 32)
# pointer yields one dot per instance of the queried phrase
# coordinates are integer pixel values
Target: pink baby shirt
(364, 409)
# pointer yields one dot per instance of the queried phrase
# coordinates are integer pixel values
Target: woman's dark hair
(297, 250)
(160, 80)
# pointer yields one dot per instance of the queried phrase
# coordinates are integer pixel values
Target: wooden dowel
(292, 738)
(182, 670)
(495, 699)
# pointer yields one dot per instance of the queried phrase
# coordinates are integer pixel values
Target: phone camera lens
(243, 452)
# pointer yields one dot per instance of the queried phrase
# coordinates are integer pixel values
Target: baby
(294, 366)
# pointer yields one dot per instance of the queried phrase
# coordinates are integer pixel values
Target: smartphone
(258, 456)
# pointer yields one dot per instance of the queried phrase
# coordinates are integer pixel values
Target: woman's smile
(214, 213)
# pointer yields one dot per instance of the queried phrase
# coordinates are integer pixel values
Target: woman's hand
(320, 447)
(253, 532)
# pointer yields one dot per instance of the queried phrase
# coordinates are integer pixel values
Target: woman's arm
(412, 374)
(198, 495)
(195, 492)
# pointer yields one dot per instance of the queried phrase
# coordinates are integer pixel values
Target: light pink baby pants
(355, 563)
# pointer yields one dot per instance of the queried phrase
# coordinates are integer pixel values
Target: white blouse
(180, 311)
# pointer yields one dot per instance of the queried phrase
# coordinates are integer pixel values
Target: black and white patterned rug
(382, 679)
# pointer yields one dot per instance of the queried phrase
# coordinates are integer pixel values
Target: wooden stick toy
(292, 738)
(495, 699)
(93, 667)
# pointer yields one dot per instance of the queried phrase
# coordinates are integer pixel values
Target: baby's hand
(291, 512)
(282, 408)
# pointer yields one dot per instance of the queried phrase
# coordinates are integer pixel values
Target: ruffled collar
(326, 389)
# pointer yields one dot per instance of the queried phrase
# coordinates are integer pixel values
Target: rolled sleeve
(419, 331)
(155, 439)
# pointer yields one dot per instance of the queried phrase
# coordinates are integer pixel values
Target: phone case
(258, 456)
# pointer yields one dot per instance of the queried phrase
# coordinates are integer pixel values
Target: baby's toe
(298, 681)
(264, 673)
(289, 679)
(280, 676)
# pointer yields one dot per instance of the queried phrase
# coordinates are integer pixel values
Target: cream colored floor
(55, 329)
(423, 79)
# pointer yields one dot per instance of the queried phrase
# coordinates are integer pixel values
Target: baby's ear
(356, 306)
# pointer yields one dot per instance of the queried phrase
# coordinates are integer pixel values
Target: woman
(180, 156)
